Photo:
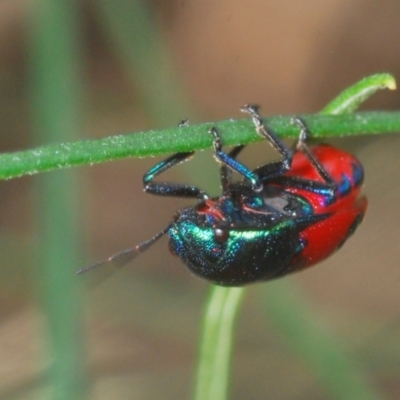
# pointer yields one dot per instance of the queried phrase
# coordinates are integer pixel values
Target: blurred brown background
(142, 324)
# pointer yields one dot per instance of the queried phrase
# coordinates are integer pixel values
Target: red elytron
(345, 208)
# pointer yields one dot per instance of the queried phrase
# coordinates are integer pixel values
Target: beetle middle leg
(256, 177)
(225, 172)
(274, 168)
(228, 162)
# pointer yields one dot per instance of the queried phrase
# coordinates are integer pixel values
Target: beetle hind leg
(302, 146)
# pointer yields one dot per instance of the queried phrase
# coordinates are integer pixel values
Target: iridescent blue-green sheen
(246, 256)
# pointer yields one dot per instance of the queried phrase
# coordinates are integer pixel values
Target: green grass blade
(216, 343)
(56, 94)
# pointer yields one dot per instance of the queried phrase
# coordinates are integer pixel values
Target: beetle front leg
(168, 188)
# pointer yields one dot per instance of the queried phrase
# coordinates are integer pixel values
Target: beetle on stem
(282, 217)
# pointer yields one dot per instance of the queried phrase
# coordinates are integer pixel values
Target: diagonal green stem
(351, 98)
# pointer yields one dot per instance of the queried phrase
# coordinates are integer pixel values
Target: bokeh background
(135, 66)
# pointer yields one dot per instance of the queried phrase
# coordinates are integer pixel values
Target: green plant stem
(152, 143)
(194, 137)
(55, 91)
(351, 98)
(215, 352)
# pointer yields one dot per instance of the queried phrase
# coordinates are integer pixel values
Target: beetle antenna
(123, 257)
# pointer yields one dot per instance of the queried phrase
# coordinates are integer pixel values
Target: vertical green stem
(56, 95)
(216, 344)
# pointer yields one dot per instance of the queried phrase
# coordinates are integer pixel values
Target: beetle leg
(225, 172)
(168, 188)
(228, 162)
(326, 188)
(276, 143)
(301, 146)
